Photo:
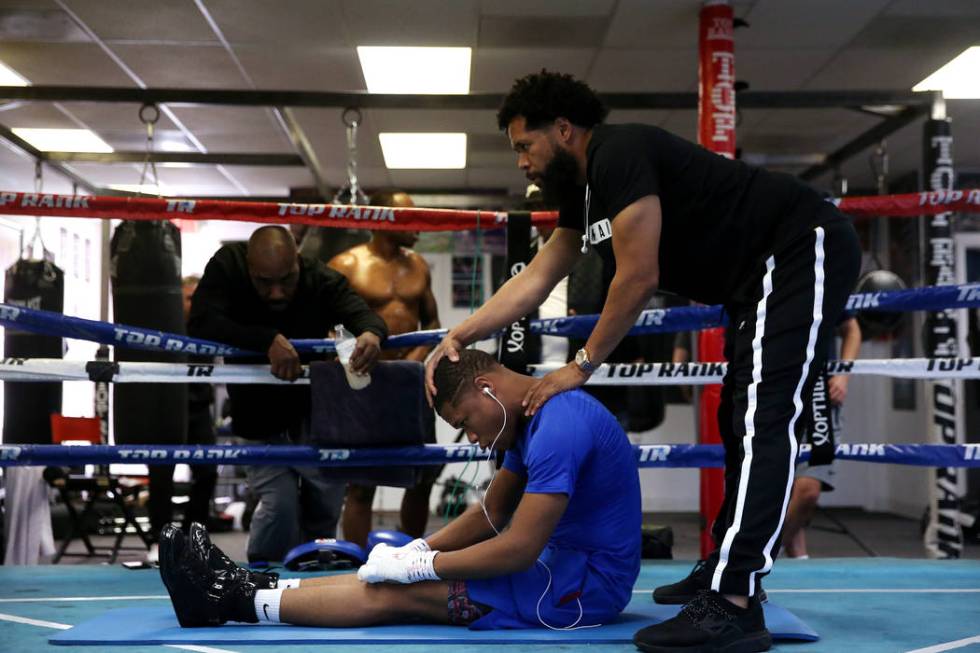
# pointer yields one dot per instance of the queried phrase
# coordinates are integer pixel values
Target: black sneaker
(699, 579)
(708, 624)
(218, 561)
(200, 596)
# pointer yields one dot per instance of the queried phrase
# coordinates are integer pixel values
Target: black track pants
(775, 348)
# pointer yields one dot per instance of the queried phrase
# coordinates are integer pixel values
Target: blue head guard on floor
(325, 555)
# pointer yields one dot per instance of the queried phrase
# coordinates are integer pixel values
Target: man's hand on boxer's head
(450, 346)
(366, 353)
(284, 360)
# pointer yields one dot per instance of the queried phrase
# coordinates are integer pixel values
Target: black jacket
(226, 308)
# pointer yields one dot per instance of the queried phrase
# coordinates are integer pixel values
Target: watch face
(581, 357)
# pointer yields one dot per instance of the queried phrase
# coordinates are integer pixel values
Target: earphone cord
(585, 234)
(483, 499)
(483, 504)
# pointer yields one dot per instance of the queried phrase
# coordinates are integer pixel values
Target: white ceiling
(615, 45)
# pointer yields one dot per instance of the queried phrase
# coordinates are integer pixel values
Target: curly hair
(450, 378)
(543, 97)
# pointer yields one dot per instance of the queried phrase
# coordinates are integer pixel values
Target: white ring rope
(625, 374)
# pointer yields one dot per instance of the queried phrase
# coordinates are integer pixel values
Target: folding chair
(102, 488)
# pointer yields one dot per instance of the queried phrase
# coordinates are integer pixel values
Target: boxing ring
(859, 605)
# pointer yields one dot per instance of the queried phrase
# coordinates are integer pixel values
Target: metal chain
(37, 238)
(351, 193)
(150, 120)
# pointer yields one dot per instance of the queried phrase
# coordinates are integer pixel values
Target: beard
(558, 181)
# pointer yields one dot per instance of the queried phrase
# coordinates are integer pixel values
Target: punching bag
(146, 292)
(28, 406)
(879, 324)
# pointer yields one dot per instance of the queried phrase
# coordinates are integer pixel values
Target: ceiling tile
(328, 135)
(75, 64)
(39, 24)
(193, 66)
(314, 68)
(415, 23)
(205, 119)
(801, 131)
(644, 70)
(795, 67)
(643, 25)
(546, 7)
(277, 181)
(793, 24)
(38, 115)
(543, 32)
(895, 68)
(495, 69)
(159, 20)
(103, 174)
(191, 176)
(29, 4)
(918, 33)
(283, 23)
(234, 129)
(965, 8)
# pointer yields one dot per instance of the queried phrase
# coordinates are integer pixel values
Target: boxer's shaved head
(273, 266)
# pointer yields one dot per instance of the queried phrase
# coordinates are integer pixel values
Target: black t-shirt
(227, 309)
(721, 218)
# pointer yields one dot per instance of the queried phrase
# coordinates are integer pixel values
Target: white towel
(28, 516)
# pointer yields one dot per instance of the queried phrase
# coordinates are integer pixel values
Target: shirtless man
(395, 283)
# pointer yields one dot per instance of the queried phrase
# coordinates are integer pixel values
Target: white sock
(287, 583)
(267, 605)
(802, 557)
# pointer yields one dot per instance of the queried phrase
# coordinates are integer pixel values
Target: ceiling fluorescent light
(416, 70)
(424, 151)
(63, 140)
(10, 77)
(958, 79)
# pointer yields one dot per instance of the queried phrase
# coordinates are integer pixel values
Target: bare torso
(397, 288)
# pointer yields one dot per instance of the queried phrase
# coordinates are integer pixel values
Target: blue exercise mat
(158, 625)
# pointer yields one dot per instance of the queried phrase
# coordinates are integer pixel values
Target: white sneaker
(153, 554)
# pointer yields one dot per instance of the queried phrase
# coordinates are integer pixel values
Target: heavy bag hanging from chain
(28, 406)
(146, 292)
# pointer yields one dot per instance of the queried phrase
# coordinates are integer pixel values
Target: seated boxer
(555, 543)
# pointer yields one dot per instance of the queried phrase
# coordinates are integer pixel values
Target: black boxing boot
(176, 542)
(217, 560)
(202, 597)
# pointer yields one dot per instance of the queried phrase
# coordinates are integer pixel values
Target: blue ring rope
(656, 455)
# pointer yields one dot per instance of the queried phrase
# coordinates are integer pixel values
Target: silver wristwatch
(583, 362)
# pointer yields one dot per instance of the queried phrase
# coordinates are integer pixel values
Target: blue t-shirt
(573, 446)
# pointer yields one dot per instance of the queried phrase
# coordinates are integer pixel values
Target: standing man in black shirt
(673, 216)
(256, 297)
